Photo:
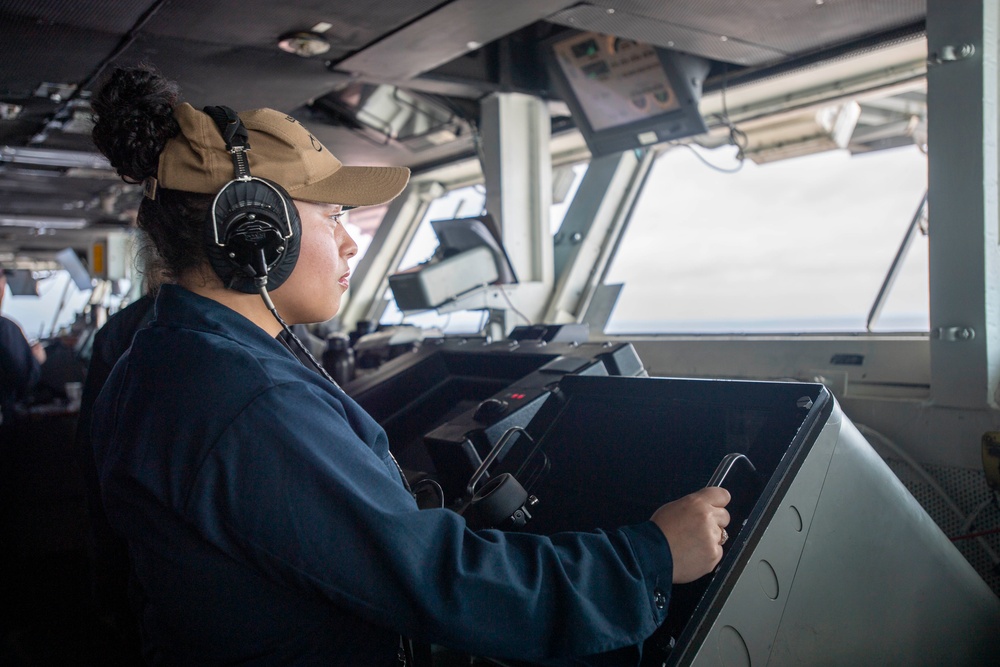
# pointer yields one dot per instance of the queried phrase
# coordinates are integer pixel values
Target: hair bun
(133, 120)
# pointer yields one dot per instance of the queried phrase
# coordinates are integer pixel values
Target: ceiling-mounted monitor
(624, 94)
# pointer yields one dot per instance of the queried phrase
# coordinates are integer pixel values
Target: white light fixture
(41, 222)
(10, 111)
(46, 157)
(304, 43)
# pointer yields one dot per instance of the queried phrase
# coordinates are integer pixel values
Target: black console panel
(445, 405)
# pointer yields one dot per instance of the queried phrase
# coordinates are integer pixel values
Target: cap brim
(356, 186)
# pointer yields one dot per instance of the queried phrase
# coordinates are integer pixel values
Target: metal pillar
(517, 167)
(962, 198)
(589, 234)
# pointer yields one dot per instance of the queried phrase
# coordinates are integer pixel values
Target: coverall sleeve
(291, 487)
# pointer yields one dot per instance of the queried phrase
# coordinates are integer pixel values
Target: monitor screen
(624, 94)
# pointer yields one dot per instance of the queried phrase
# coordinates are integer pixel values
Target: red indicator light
(517, 397)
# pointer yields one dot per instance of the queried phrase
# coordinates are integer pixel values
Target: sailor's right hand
(695, 528)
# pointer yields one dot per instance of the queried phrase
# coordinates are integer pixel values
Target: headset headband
(236, 136)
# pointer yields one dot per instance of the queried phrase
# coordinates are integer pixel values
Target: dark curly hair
(133, 120)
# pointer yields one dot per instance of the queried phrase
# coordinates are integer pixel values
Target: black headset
(253, 231)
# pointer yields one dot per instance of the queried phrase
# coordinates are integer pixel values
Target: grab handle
(727, 463)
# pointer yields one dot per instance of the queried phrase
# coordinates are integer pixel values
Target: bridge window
(796, 245)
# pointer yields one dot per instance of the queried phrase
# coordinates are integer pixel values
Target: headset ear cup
(259, 230)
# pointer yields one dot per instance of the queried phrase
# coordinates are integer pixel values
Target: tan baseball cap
(281, 150)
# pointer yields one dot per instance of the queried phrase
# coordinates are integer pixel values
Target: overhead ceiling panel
(666, 34)
(259, 23)
(112, 16)
(207, 72)
(797, 27)
(27, 58)
(471, 23)
(740, 32)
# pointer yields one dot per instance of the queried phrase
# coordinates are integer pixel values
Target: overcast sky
(794, 241)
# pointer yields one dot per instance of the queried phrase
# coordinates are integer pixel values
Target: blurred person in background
(20, 361)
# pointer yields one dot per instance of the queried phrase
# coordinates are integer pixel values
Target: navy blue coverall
(267, 523)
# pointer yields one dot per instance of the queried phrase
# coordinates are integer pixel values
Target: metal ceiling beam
(48, 157)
